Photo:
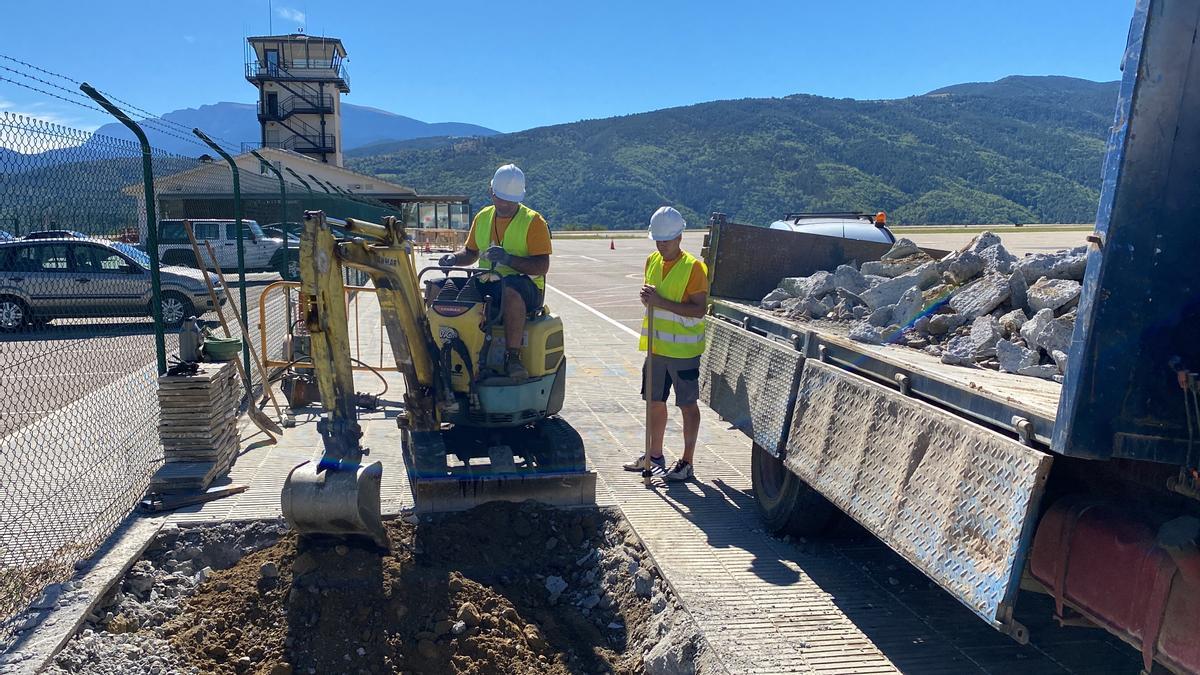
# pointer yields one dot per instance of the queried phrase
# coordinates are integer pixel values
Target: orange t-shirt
(537, 239)
(697, 283)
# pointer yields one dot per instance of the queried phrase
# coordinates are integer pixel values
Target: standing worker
(515, 241)
(676, 290)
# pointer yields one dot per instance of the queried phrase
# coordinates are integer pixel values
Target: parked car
(846, 225)
(55, 234)
(261, 252)
(41, 280)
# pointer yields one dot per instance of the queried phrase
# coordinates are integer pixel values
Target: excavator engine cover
(335, 501)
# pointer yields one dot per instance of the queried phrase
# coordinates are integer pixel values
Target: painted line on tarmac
(595, 311)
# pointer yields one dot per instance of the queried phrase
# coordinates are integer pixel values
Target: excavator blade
(335, 501)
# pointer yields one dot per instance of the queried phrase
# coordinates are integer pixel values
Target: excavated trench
(503, 588)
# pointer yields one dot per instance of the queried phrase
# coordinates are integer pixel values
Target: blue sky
(516, 65)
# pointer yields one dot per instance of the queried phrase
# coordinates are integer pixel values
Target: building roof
(297, 37)
(194, 179)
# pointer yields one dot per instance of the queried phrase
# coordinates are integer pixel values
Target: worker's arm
(463, 257)
(695, 305)
(534, 265)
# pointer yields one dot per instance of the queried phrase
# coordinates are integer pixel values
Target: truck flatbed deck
(989, 396)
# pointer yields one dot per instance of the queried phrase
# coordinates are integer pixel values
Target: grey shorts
(533, 296)
(682, 375)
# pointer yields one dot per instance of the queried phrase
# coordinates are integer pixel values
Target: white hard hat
(666, 224)
(509, 183)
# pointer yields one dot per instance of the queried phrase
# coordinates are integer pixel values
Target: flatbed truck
(991, 483)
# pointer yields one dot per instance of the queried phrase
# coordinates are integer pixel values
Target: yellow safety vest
(516, 240)
(675, 336)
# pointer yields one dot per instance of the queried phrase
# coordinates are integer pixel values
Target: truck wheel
(788, 505)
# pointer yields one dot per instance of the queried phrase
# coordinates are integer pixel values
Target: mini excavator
(469, 433)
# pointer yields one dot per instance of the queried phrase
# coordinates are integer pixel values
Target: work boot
(658, 465)
(681, 471)
(514, 368)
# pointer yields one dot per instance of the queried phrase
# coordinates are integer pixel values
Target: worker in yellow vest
(676, 290)
(515, 241)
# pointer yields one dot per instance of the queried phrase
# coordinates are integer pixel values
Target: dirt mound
(504, 588)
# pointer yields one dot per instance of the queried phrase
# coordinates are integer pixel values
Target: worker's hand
(650, 296)
(497, 255)
(448, 260)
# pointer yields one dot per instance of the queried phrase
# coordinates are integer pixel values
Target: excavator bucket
(335, 501)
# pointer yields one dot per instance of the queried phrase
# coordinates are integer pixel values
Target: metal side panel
(956, 500)
(750, 381)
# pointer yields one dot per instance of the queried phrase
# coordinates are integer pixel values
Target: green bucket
(222, 349)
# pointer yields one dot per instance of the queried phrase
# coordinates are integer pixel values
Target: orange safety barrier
(291, 289)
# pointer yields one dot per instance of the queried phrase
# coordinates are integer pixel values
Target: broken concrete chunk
(981, 296)
(965, 267)
(1046, 372)
(909, 307)
(865, 332)
(889, 292)
(1056, 334)
(1060, 360)
(882, 316)
(805, 308)
(895, 267)
(940, 324)
(982, 242)
(985, 333)
(1011, 322)
(959, 352)
(847, 278)
(1058, 265)
(1014, 357)
(1053, 293)
(1018, 291)
(777, 295)
(874, 280)
(860, 312)
(903, 248)
(996, 258)
(818, 284)
(1040, 320)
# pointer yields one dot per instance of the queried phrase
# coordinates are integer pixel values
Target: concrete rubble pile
(979, 306)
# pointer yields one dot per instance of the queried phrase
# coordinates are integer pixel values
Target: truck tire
(787, 504)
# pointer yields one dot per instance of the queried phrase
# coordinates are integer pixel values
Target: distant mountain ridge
(238, 122)
(1021, 149)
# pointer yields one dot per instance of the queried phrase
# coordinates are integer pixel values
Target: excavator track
(543, 462)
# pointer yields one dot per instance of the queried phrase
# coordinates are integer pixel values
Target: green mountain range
(1021, 149)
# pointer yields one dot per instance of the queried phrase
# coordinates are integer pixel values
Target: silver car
(49, 279)
(844, 225)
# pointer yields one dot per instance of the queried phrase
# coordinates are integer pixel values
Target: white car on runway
(844, 225)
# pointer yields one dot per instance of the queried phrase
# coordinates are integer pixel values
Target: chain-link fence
(78, 366)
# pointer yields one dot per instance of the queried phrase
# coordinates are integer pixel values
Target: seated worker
(515, 241)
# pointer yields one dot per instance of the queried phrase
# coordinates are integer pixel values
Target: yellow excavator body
(469, 433)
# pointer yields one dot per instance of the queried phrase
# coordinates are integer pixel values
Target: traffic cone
(612, 245)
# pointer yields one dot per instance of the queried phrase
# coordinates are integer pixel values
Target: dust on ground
(503, 588)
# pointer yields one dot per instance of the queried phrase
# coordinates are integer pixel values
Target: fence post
(287, 252)
(241, 246)
(297, 177)
(318, 181)
(160, 347)
(283, 212)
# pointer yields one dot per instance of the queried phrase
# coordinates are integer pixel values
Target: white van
(261, 252)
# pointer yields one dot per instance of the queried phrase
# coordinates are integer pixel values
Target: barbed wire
(156, 122)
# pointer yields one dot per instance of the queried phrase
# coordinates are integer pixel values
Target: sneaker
(658, 465)
(681, 471)
(514, 368)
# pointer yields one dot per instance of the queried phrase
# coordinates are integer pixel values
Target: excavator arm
(339, 494)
